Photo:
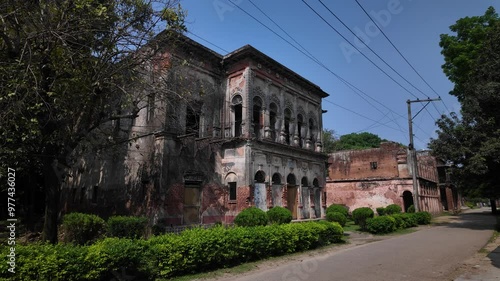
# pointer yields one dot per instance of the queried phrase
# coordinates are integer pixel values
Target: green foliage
(360, 215)
(336, 217)
(82, 228)
(279, 215)
(411, 209)
(392, 209)
(127, 227)
(423, 217)
(381, 224)
(168, 255)
(66, 73)
(400, 222)
(472, 143)
(339, 209)
(380, 211)
(358, 141)
(329, 140)
(252, 216)
(410, 220)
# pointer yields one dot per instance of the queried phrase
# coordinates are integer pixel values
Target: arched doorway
(305, 197)
(407, 199)
(291, 195)
(317, 198)
(277, 191)
(260, 190)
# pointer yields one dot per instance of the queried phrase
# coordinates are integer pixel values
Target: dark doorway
(292, 195)
(407, 199)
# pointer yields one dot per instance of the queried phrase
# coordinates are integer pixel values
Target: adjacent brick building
(238, 130)
(381, 176)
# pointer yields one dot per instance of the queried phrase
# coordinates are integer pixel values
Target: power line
(321, 64)
(404, 58)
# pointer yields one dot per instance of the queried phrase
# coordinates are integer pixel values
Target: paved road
(433, 253)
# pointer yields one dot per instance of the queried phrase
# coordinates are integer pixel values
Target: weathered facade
(381, 176)
(238, 130)
(450, 196)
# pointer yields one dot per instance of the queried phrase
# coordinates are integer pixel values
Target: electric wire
(404, 58)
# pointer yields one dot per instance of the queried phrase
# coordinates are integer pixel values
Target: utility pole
(413, 152)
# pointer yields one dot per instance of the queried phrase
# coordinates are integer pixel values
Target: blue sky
(413, 27)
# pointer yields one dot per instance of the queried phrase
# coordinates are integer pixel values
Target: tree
(472, 142)
(329, 140)
(68, 68)
(358, 141)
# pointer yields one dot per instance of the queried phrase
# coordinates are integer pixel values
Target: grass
(350, 226)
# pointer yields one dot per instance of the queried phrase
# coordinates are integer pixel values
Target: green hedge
(381, 224)
(82, 228)
(423, 217)
(338, 209)
(393, 209)
(127, 227)
(168, 255)
(279, 215)
(381, 211)
(251, 216)
(360, 215)
(336, 217)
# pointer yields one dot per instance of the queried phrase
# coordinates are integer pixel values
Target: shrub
(127, 227)
(400, 222)
(279, 215)
(360, 215)
(381, 224)
(252, 216)
(392, 209)
(336, 217)
(423, 217)
(409, 219)
(411, 209)
(338, 208)
(117, 255)
(381, 211)
(82, 228)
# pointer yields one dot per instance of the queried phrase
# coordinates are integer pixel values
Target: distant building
(241, 130)
(382, 176)
(450, 196)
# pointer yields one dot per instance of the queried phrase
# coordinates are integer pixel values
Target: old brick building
(381, 176)
(236, 131)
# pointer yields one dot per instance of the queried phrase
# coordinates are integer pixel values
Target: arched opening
(277, 190)
(306, 204)
(276, 178)
(237, 104)
(317, 198)
(288, 117)
(291, 195)
(257, 116)
(232, 183)
(273, 113)
(300, 125)
(407, 199)
(260, 194)
(312, 130)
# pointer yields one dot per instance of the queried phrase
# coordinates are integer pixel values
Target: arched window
(276, 179)
(312, 129)
(232, 182)
(290, 179)
(304, 182)
(288, 117)
(260, 177)
(237, 104)
(273, 113)
(257, 116)
(300, 125)
(315, 183)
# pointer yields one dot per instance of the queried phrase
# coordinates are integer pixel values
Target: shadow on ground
(478, 220)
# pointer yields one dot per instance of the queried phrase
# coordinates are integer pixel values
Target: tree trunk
(52, 187)
(493, 204)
